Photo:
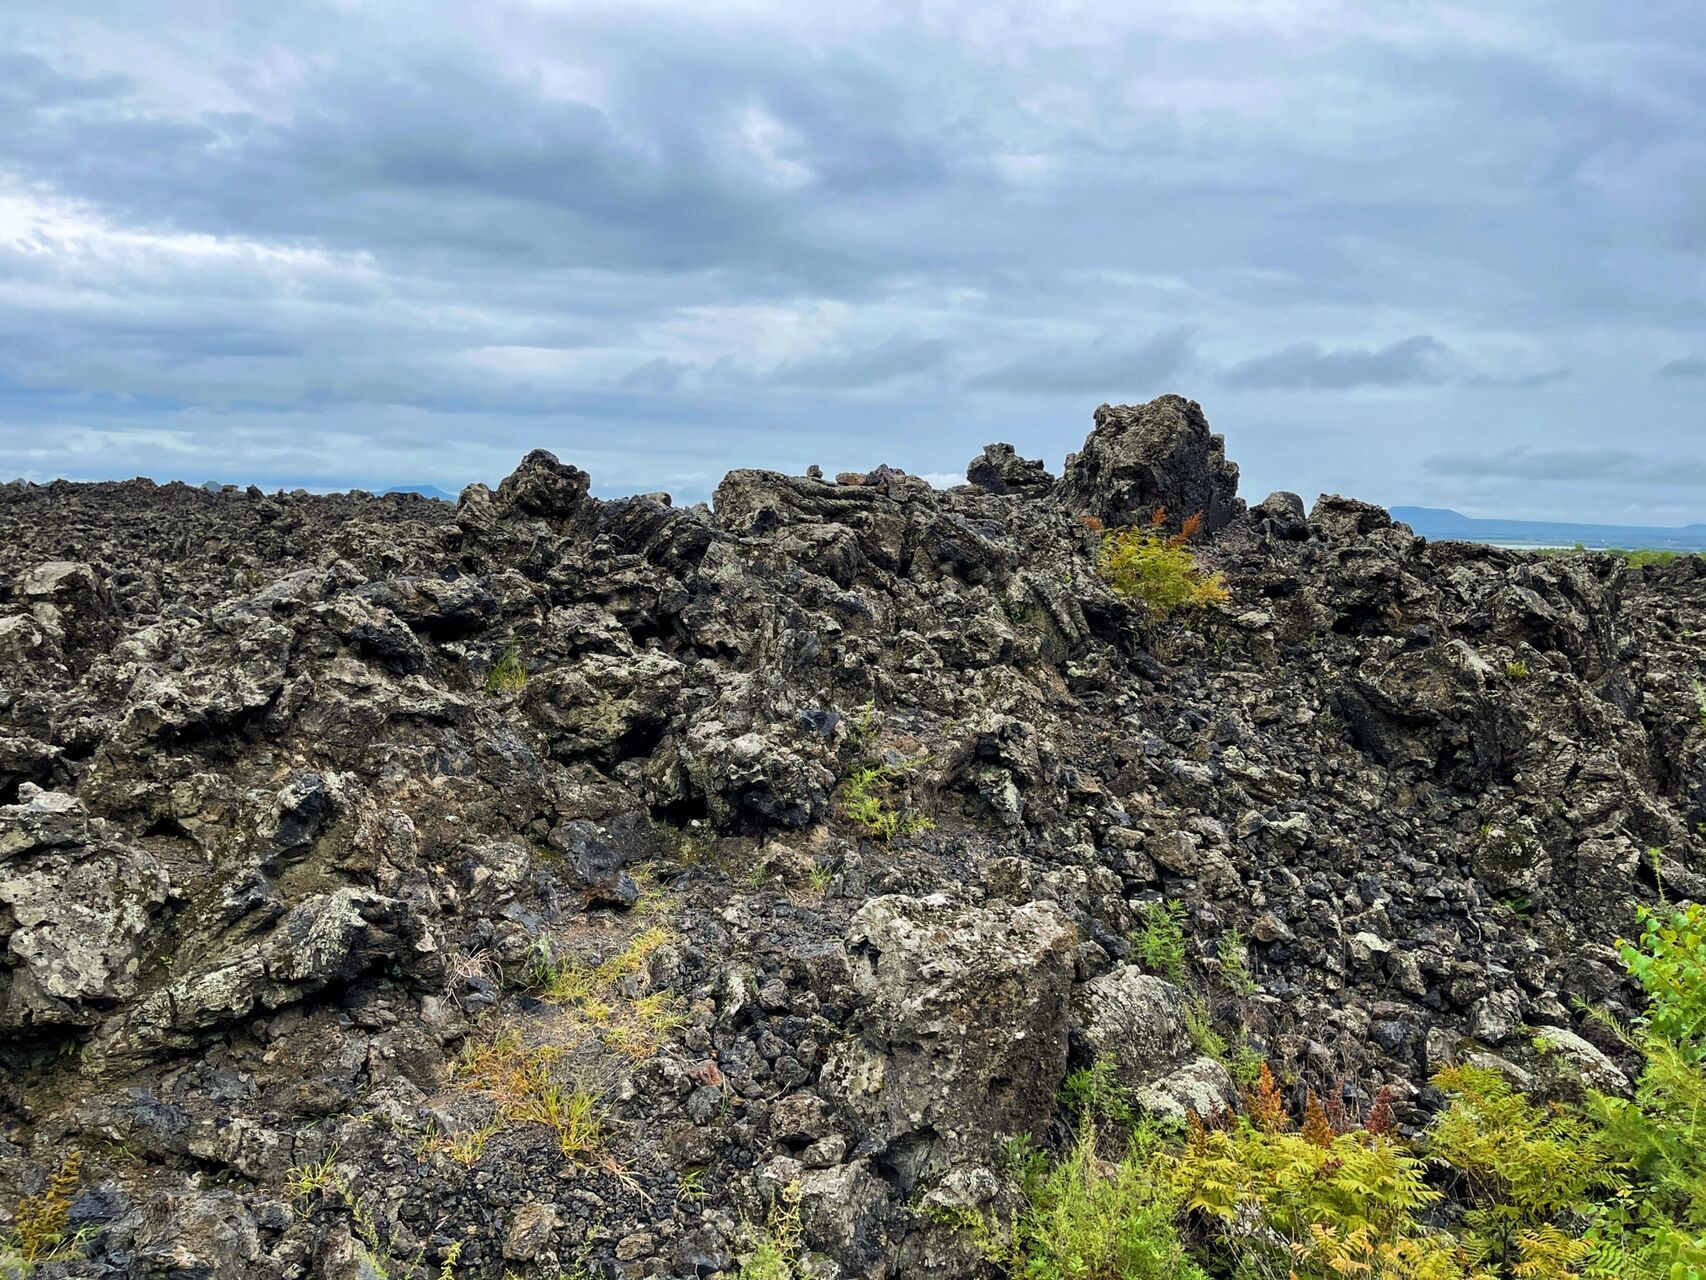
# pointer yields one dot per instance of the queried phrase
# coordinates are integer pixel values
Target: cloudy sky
(1438, 253)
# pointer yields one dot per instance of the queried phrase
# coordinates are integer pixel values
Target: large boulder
(959, 1039)
(74, 908)
(962, 1020)
(70, 599)
(1140, 457)
(999, 469)
(543, 486)
(1136, 1023)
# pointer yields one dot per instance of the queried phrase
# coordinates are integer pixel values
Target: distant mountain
(1441, 522)
(426, 491)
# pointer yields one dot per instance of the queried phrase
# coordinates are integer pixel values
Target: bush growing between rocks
(1160, 943)
(41, 1225)
(773, 1250)
(1159, 570)
(1611, 1189)
(873, 793)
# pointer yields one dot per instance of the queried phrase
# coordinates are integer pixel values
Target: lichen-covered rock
(803, 838)
(1000, 470)
(74, 908)
(1158, 455)
(959, 1036)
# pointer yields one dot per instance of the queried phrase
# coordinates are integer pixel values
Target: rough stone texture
(274, 854)
(1141, 457)
(1000, 470)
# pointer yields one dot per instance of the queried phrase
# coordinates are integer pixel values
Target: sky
(1427, 253)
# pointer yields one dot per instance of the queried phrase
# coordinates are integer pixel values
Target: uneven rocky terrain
(556, 887)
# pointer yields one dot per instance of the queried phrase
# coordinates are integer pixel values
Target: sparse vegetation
(1234, 973)
(773, 1250)
(1635, 557)
(871, 798)
(518, 1079)
(874, 792)
(1199, 1021)
(1516, 670)
(1160, 943)
(1158, 569)
(320, 1178)
(41, 1224)
(508, 674)
(1612, 1189)
(634, 1025)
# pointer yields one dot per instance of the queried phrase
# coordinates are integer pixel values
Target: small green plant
(868, 798)
(1700, 701)
(1093, 1093)
(320, 1178)
(1247, 1062)
(773, 1250)
(1199, 1022)
(874, 793)
(1517, 670)
(1160, 943)
(1234, 973)
(1159, 570)
(508, 674)
(41, 1224)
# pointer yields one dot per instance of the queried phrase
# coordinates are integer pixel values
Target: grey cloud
(1584, 466)
(898, 357)
(1410, 362)
(1684, 367)
(466, 246)
(1520, 381)
(659, 374)
(1107, 367)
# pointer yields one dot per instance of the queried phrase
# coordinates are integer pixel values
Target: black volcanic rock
(329, 823)
(1158, 455)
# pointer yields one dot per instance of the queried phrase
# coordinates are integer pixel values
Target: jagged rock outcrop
(1143, 457)
(349, 844)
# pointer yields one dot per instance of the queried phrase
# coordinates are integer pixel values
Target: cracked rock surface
(345, 840)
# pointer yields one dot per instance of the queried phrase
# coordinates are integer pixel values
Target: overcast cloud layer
(1417, 253)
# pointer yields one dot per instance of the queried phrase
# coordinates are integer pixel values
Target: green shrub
(1087, 1219)
(1199, 1022)
(1517, 670)
(874, 792)
(41, 1224)
(869, 797)
(1159, 571)
(1612, 1189)
(1282, 1203)
(1093, 1093)
(1526, 1166)
(1160, 943)
(1669, 961)
(773, 1250)
(1234, 974)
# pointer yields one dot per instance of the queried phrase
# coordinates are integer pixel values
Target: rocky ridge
(345, 841)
